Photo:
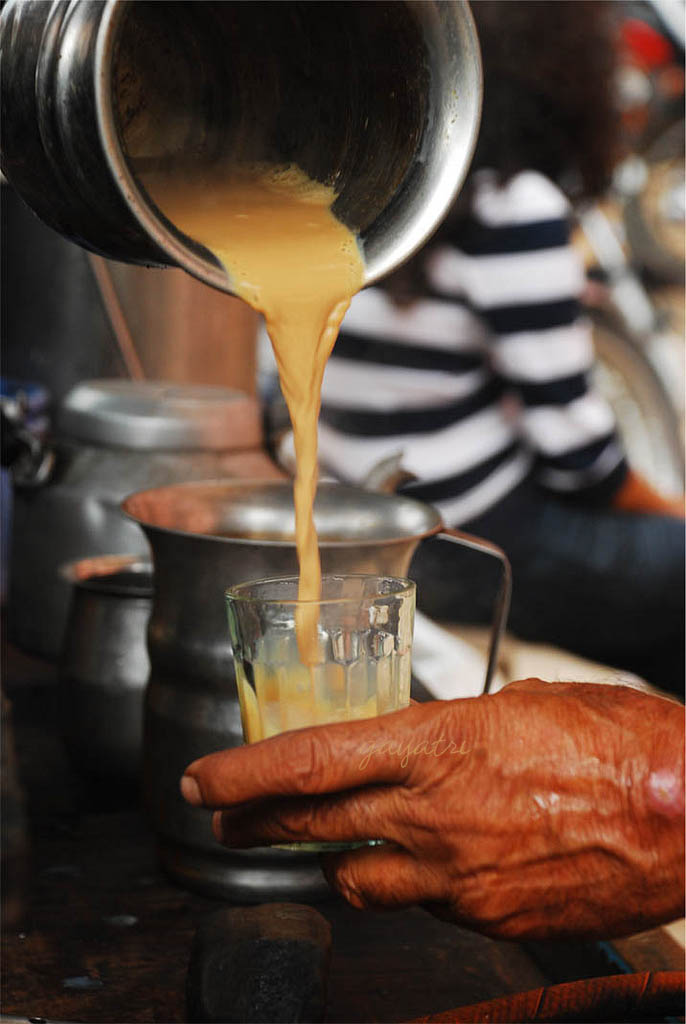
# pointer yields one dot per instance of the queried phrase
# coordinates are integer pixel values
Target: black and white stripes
(487, 376)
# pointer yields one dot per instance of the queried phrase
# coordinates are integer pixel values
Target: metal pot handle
(502, 604)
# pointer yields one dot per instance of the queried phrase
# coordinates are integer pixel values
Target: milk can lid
(159, 415)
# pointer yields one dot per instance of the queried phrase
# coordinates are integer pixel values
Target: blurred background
(68, 315)
(632, 242)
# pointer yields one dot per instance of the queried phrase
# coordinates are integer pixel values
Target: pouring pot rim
(432, 518)
(451, 162)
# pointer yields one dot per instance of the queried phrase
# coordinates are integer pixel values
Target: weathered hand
(547, 809)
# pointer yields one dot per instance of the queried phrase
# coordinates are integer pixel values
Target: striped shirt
(485, 379)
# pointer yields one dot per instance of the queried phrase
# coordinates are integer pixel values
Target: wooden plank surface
(102, 913)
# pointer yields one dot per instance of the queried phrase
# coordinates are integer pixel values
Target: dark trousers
(606, 585)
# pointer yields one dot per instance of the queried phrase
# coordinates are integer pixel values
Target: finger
(320, 759)
(382, 877)
(357, 816)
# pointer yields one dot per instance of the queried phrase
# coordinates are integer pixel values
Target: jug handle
(502, 604)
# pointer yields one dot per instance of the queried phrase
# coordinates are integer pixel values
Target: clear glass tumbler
(301, 663)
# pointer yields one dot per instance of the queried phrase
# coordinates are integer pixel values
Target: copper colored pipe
(115, 315)
(620, 997)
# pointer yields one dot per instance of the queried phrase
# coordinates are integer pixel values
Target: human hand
(637, 495)
(547, 809)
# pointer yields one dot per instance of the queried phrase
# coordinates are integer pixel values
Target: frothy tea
(290, 258)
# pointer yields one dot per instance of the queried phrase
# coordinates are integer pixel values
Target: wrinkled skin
(549, 809)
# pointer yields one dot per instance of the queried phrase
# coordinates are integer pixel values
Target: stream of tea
(290, 258)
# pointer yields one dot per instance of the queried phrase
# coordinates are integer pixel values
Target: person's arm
(637, 495)
(549, 809)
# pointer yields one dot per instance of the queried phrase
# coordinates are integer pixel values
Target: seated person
(467, 374)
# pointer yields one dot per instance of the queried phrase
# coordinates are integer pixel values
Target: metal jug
(104, 668)
(204, 538)
(381, 100)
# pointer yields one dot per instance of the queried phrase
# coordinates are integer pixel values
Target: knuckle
(310, 761)
(283, 822)
(348, 886)
(362, 810)
(483, 905)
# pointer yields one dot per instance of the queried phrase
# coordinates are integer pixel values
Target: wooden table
(105, 937)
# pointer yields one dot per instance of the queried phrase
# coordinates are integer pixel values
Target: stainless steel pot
(381, 100)
(104, 666)
(205, 537)
(113, 437)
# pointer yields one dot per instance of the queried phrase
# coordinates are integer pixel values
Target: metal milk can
(113, 437)
(204, 538)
